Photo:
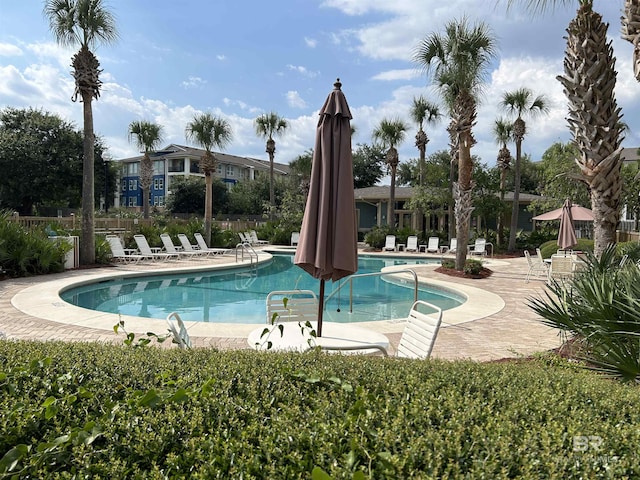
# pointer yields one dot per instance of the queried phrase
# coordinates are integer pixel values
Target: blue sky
(239, 59)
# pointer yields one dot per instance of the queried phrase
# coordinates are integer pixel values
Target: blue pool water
(238, 295)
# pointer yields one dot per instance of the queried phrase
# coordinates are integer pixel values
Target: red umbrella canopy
(328, 238)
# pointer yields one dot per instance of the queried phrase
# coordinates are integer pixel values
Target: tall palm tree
(594, 116)
(503, 134)
(458, 61)
(147, 137)
(84, 23)
(268, 126)
(423, 111)
(631, 31)
(522, 103)
(391, 133)
(209, 131)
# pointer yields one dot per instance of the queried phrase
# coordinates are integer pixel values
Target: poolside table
(295, 338)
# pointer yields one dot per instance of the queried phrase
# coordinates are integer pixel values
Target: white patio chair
(187, 247)
(479, 247)
(121, 254)
(253, 236)
(412, 244)
(171, 248)
(561, 268)
(418, 337)
(295, 238)
(178, 330)
(145, 249)
(202, 244)
(299, 306)
(433, 245)
(535, 267)
(390, 243)
(453, 245)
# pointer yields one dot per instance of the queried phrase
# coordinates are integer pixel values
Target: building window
(131, 199)
(158, 201)
(124, 185)
(132, 168)
(220, 170)
(230, 171)
(158, 167)
(176, 165)
(133, 185)
(194, 167)
(158, 183)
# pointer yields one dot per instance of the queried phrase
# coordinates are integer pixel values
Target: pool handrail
(373, 274)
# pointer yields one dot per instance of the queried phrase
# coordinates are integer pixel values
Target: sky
(240, 59)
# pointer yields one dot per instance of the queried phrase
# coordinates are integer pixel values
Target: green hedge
(97, 411)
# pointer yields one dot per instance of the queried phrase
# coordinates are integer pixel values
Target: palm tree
(147, 137)
(208, 131)
(84, 23)
(458, 61)
(520, 102)
(422, 110)
(503, 134)
(269, 125)
(631, 31)
(594, 116)
(391, 133)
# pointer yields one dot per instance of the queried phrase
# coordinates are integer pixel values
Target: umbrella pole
(320, 308)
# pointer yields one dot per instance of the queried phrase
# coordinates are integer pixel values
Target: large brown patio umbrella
(328, 246)
(567, 234)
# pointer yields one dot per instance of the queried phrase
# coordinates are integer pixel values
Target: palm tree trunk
(515, 209)
(208, 207)
(392, 199)
(272, 194)
(464, 205)
(88, 243)
(500, 234)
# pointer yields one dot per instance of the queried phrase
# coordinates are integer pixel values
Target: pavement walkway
(510, 329)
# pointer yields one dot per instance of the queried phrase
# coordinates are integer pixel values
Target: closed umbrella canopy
(328, 240)
(567, 234)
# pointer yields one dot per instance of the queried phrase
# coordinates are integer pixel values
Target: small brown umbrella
(328, 246)
(567, 234)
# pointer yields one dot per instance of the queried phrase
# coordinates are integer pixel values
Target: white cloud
(295, 100)
(310, 42)
(404, 74)
(193, 82)
(9, 50)
(302, 71)
(221, 57)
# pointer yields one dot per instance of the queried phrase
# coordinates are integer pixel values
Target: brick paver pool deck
(512, 330)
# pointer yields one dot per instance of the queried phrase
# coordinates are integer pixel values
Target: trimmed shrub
(100, 411)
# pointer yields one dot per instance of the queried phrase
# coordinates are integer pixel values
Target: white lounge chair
(253, 237)
(418, 337)
(187, 247)
(202, 244)
(178, 330)
(171, 248)
(390, 243)
(292, 306)
(145, 249)
(479, 247)
(412, 244)
(536, 267)
(295, 238)
(433, 245)
(244, 239)
(453, 245)
(121, 254)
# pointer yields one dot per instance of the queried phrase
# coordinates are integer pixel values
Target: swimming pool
(238, 295)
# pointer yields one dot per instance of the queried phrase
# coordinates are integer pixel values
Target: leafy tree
(300, 170)
(522, 103)
(147, 136)
(187, 195)
(268, 126)
(41, 161)
(209, 131)
(84, 23)
(630, 175)
(485, 199)
(367, 165)
(391, 133)
(458, 61)
(559, 178)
